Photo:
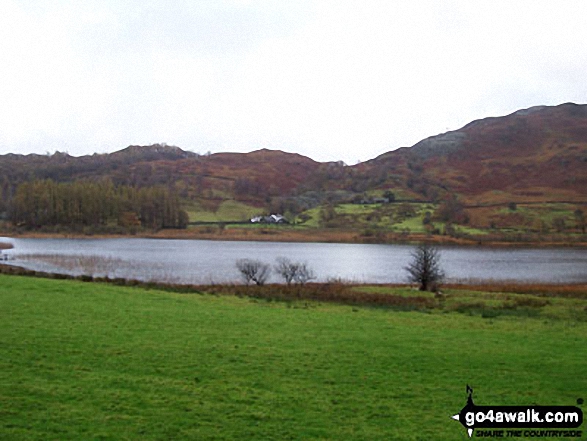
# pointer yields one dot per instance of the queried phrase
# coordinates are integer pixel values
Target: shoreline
(307, 236)
(530, 287)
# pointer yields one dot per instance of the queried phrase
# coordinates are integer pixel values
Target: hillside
(210, 179)
(538, 154)
(533, 158)
(534, 154)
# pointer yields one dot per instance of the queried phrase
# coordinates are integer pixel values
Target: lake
(203, 262)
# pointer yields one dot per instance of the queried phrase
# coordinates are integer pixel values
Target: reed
(572, 290)
(96, 266)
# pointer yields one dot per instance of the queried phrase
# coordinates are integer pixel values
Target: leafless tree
(286, 269)
(295, 272)
(424, 268)
(304, 274)
(253, 271)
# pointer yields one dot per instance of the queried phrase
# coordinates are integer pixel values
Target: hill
(210, 179)
(530, 158)
(537, 154)
(534, 154)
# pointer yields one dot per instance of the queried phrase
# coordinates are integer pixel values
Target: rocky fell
(537, 154)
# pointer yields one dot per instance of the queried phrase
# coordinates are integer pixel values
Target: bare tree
(304, 274)
(253, 271)
(424, 268)
(286, 269)
(295, 272)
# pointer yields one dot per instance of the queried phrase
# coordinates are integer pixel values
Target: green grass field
(99, 362)
(228, 211)
(538, 222)
(384, 217)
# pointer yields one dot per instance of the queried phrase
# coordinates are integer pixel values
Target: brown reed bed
(97, 266)
(332, 292)
(572, 290)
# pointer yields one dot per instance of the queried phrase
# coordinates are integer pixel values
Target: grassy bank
(95, 361)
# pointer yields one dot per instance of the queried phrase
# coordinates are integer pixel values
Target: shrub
(296, 272)
(253, 271)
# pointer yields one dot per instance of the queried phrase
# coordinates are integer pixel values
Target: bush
(253, 271)
(296, 272)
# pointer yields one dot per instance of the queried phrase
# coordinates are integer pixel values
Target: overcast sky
(332, 80)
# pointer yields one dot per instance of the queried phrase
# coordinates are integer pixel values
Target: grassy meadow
(227, 211)
(95, 361)
(532, 222)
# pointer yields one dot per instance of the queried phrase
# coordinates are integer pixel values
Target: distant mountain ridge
(533, 154)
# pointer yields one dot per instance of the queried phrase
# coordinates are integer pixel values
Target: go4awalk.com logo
(520, 421)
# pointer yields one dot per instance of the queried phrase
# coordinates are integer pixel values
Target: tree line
(102, 205)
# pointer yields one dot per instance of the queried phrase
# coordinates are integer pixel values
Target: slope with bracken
(538, 154)
(209, 179)
(531, 156)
